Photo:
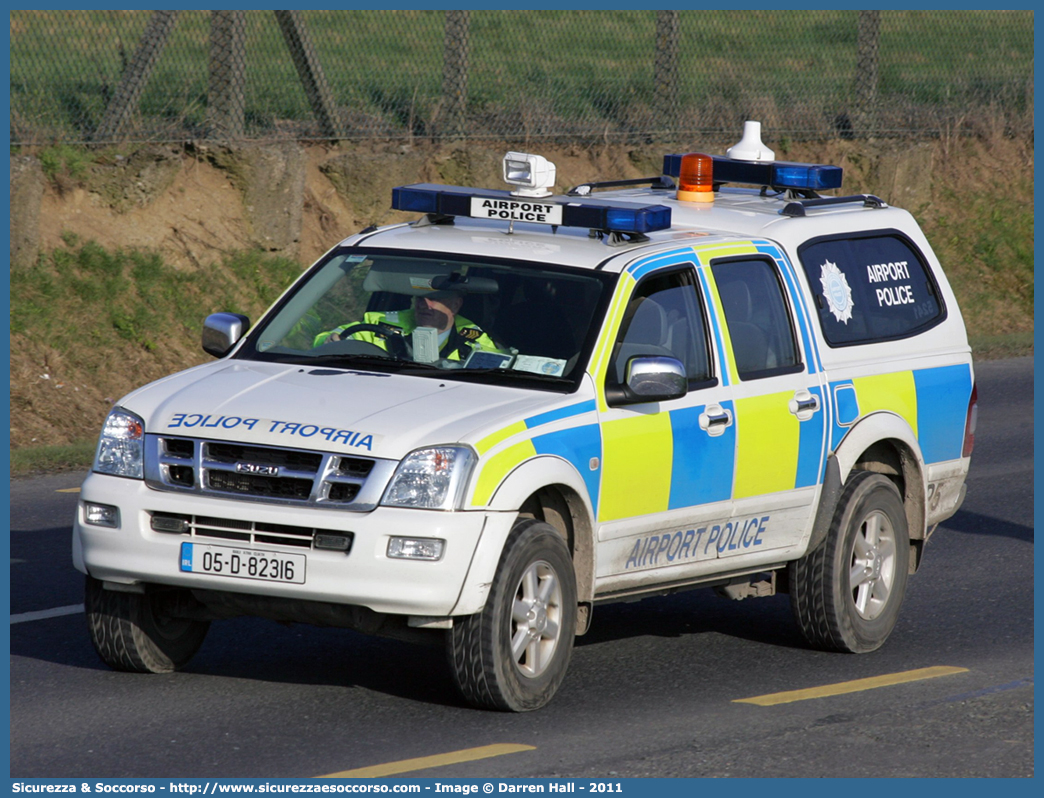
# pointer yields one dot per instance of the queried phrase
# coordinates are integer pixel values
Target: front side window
(760, 327)
(428, 315)
(870, 288)
(664, 318)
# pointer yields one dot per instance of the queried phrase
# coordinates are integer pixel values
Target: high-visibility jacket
(464, 336)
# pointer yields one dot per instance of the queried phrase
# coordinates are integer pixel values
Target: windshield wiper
(350, 360)
(389, 364)
(512, 373)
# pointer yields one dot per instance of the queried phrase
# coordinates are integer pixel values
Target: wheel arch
(550, 489)
(886, 444)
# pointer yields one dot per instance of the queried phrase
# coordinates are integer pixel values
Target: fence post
(132, 84)
(867, 62)
(455, 72)
(665, 71)
(226, 90)
(310, 71)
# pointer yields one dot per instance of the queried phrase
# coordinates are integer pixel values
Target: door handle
(714, 419)
(804, 405)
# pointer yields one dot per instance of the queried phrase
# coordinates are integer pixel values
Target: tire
(131, 631)
(513, 655)
(846, 594)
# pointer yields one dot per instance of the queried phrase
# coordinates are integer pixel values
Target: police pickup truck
(484, 423)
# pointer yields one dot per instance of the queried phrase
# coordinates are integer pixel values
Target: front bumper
(134, 553)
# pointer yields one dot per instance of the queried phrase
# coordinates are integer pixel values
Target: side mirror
(651, 378)
(656, 378)
(222, 331)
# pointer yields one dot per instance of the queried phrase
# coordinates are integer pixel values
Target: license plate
(266, 566)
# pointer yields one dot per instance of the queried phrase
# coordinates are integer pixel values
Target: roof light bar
(777, 174)
(611, 216)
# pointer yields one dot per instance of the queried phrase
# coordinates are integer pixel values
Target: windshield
(501, 321)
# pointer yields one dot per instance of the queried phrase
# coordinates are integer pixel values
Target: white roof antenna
(750, 147)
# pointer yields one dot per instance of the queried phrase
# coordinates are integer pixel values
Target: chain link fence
(622, 76)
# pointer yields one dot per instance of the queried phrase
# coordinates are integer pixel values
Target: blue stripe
(560, 413)
(942, 409)
(640, 268)
(577, 445)
(724, 368)
(703, 466)
(810, 446)
(811, 349)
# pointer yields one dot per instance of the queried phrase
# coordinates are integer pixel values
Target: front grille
(182, 475)
(354, 467)
(179, 447)
(262, 455)
(259, 486)
(241, 531)
(340, 492)
(266, 473)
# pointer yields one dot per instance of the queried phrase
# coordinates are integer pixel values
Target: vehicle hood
(325, 409)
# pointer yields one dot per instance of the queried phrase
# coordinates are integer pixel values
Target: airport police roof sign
(614, 215)
(516, 210)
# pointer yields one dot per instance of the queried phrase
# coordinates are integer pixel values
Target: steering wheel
(397, 345)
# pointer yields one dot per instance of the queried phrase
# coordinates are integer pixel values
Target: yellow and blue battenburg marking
(579, 445)
(664, 461)
(776, 452)
(636, 473)
(701, 466)
(811, 460)
(944, 389)
(729, 371)
(719, 341)
(603, 349)
(654, 462)
(721, 334)
(673, 257)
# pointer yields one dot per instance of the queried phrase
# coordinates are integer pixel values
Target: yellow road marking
(68, 490)
(856, 686)
(425, 762)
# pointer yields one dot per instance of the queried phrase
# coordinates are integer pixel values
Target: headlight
(430, 478)
(120, 446)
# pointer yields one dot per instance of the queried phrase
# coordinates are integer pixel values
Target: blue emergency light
(610, 216)
(776, 174)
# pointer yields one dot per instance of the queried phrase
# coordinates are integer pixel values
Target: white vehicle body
(728, 484)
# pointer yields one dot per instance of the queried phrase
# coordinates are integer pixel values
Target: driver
(438, 309)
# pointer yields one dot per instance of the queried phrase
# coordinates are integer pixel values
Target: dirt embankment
(193, 204)
(197, 205)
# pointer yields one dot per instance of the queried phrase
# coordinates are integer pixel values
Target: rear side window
(870, 288)
(760, 327)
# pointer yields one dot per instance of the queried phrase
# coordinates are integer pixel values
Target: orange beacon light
(696, 178)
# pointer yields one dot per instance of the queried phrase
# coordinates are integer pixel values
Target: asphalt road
(651, 690)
